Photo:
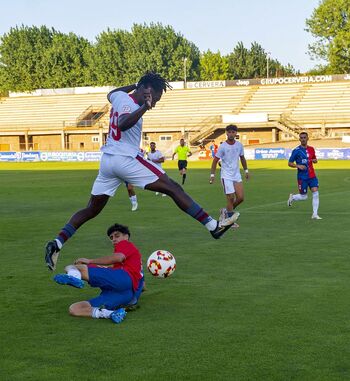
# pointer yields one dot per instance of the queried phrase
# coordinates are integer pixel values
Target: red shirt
(310, 156)
(132, 263)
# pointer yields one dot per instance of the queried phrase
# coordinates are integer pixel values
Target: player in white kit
(156, 157)
(122, 162)
(230, 153)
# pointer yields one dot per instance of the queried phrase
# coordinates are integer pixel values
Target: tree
(108, 61)
(67, 62)
(252, 63)
(39, 57)
(330, 24)
(237, 61)
(160, 48)
(213, 66)
(22, 63)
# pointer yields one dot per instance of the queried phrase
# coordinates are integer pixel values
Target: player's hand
(82, 261)
(301, 167)
(314, 161)
(147, 98)
(211, 179)
(247, 175)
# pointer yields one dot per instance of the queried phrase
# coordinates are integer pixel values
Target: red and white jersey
(156, 155)
(124, 143)
(229, 155)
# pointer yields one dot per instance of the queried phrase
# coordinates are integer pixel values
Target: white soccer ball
(161, 263)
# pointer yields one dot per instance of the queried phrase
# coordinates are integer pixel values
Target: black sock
(183, 178)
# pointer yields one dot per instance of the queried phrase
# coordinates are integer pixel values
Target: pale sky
(277, 25)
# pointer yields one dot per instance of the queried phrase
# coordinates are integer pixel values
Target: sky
(277, 25)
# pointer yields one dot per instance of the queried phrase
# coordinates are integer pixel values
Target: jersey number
(114, 131)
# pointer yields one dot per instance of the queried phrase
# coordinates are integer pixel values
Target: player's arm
(213, 169)
(172, 158)
(107, 260)
(124, 89)
(245, 166)
(126, 121)
(295, 165)
(314, 158)
(189, 153)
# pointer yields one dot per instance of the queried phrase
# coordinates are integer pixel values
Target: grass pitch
(268, 302)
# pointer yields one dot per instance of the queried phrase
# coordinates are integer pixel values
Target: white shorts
(116, 169)
(229, 185)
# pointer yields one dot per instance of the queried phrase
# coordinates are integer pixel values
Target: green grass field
(270, 301)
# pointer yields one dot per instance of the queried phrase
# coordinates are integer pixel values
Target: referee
(183, 152)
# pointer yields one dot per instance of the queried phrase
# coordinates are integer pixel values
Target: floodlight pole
(267, 63)
(185, 72)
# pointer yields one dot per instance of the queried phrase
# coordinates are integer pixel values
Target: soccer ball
(161, 263)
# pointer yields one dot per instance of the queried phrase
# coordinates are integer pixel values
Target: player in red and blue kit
(119, 276)
(303, 157)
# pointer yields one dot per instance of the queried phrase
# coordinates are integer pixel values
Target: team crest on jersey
(126, 108)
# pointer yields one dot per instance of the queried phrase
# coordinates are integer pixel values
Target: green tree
(160, 48)
(330, 25)
(67, 61)
(108, 61)
(213, 66)
(22, 63)
(237, 62)
(252, 63)
(256, 63)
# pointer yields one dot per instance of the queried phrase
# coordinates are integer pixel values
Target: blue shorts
(116, 287)
(308, 183)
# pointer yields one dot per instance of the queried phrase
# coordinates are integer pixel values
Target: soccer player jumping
(303, 157)
(122, 162)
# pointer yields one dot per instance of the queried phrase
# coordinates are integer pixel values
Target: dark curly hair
(155, 80)
(118, 228)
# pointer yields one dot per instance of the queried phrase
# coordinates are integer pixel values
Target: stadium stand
(72, 121)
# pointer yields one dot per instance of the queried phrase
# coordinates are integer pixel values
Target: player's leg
(183, 166)
(74, 276)
(229, 191)
(301, 196)
(94, 207)
(117, 291)
(239, 193)
(104, 186)
(87, 309)
(147, 175)
(168, 186)
(132, 196)
(184, 175)
(313, 183)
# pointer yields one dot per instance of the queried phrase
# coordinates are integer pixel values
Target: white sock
(73, 271)
(59, 243)
(133, 199)
(299, 197)
(101, 313)
(211, 225)
(315, 202)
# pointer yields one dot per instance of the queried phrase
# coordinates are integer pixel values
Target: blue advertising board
(62, 156)
(92, 156)
(333, 153)
(30, 156)
(95, 156)
(10, 156)
(270, 153)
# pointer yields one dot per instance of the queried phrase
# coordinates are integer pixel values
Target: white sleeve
(220, 152)
(111, 96)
